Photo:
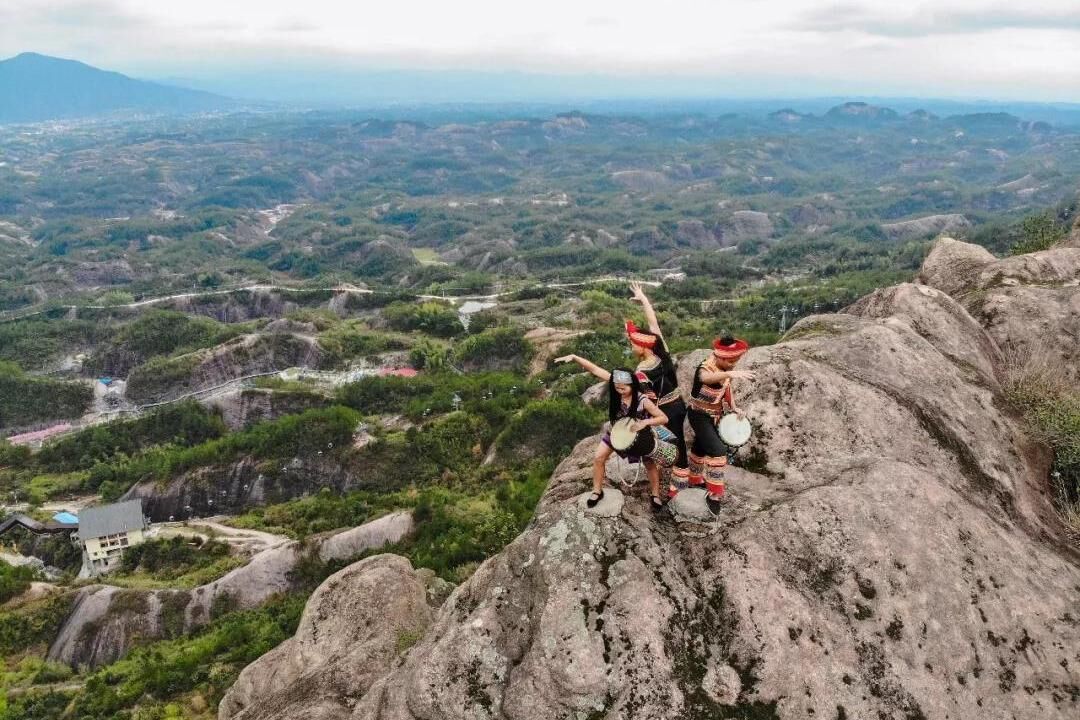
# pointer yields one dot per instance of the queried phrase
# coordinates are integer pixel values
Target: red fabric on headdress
(639, 338)
(734, 351)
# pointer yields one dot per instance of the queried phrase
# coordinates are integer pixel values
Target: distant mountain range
(37, 87)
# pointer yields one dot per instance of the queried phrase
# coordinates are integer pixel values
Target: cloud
(925, 21)
(101, 14)
(295, 25)
(598, 21)
(949, 47)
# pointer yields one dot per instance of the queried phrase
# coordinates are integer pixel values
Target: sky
(745, 48)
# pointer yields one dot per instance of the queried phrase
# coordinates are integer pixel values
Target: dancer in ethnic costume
(626, 398)
(710, 395)
(654, 360)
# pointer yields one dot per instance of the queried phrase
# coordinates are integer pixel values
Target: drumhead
(622, 436)
(733, 431)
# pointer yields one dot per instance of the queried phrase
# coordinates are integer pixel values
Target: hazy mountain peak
(36, 87)
(861, 110)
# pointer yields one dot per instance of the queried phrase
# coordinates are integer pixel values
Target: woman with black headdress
(625, 399)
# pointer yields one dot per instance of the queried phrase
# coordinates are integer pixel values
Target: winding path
(10, 316)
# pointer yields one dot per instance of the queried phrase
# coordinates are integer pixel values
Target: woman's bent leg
(603, 452)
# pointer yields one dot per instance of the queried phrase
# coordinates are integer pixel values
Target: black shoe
(716, 504)
(595, 499)
(657, 504)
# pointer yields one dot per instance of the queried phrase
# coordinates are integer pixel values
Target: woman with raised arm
(625, 399)
(709, 396)
(651, 351)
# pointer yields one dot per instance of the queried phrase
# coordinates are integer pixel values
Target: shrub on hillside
(345, 343)
(158, 376)
(316, 430)
(26, 400)
(1051, 405)
(170, 558)
(433, 318)
(14, 581)
(208, 660)
(501, 348)
(1039, 232)
(35, 624)
(182, 424)
(547, 429)
(159, 332)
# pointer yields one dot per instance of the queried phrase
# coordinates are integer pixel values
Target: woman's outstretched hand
(741, 374)
(638, 295)
(566, 359)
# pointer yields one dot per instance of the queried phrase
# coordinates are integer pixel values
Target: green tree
(1040, 232)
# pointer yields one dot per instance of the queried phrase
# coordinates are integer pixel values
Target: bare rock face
(641, 180)
(242, 357)
(353, 628)
(889, 551)
(924, 226)
(695, 234)
(746, 225)
(1029, 304)
(233, 487)
(106, 622)
(243, 407)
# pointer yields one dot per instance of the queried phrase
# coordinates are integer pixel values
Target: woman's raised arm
(650, 313)
(586, 365)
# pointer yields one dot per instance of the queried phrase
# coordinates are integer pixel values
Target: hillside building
(106, 531)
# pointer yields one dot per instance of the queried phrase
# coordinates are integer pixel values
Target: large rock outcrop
(234, 487)
(890, 552)
(242, 357)
(353, 628)
(243, 407)
(107, 621)
(926, 226)
(744, 225)
(1029, 304)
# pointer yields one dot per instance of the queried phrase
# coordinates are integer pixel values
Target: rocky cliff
(233, 488)
(1029, 304)
(353, 629)
(107, 621)
(245, 356)
(891, 551)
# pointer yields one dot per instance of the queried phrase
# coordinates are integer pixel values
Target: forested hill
(37, 87)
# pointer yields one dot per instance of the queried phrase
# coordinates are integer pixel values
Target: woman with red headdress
(656, 363)
(709, 396)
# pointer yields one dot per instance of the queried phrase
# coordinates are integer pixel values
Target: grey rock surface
(1029, 304)
(353, 628)
(609, 506)
(746, 225)
(925, 226)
